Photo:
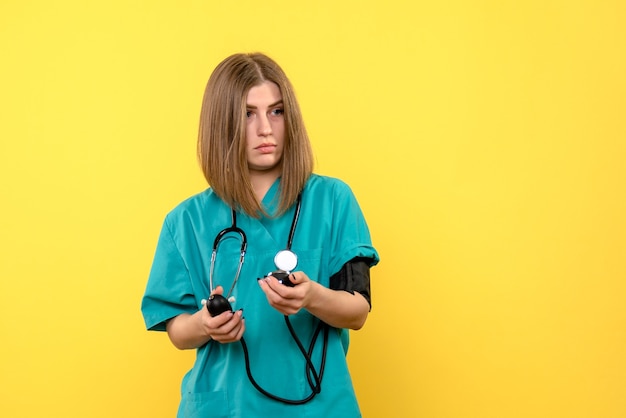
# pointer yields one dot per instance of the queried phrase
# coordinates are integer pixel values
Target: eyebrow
(280, 102)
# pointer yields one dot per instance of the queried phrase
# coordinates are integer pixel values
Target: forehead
(265, 93)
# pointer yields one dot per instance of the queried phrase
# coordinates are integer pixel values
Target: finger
(233, 321)
(279, 288)
(242, 328)
(270, 286)
(280, 297)
(298, 277)
(263, 285)
(217, 322)
(273, 283)
(232, 328)
(226, 332)
(293, 278)
(273, 297)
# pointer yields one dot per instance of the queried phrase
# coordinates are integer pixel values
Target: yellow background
(485, 141)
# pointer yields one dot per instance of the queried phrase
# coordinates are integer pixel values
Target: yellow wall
(485, 141)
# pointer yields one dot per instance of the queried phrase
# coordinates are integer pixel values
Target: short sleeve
(169, 291)
(351, 236)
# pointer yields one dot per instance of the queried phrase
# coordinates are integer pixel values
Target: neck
(261, 183)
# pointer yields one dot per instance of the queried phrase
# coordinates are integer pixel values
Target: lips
(266, 148)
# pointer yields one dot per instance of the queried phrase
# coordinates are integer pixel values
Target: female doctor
(286, 250)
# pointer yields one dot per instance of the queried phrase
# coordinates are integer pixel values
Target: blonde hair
(222, 134)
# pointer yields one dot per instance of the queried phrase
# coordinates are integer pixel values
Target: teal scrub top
(331, 230)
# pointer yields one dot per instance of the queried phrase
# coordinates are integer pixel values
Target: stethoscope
(286, 261)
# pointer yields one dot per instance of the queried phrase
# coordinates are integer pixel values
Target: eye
(278, 111)
(248, 113)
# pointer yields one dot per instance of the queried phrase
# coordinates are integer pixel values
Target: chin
(264, 168)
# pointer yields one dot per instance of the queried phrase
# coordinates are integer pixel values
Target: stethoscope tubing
(314, 377)
(242, 251)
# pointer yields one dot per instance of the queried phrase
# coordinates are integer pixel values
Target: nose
(264, 128)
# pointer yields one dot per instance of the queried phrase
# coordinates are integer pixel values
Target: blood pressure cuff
(354, 276)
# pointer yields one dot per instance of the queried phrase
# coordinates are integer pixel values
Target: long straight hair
(222, 134)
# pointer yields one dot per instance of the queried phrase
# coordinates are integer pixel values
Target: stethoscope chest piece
(286, 260)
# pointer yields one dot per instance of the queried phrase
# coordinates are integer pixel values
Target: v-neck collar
(270, 200)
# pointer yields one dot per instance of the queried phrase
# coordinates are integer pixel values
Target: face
(265, 129)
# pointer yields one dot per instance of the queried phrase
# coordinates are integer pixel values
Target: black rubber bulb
(218, 304)
(283, 277)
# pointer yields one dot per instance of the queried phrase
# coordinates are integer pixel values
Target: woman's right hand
(226, 327)
(188, 331)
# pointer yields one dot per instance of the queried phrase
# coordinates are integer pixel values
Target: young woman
(282, 255)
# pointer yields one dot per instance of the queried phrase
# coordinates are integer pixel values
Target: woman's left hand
(288, 300)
